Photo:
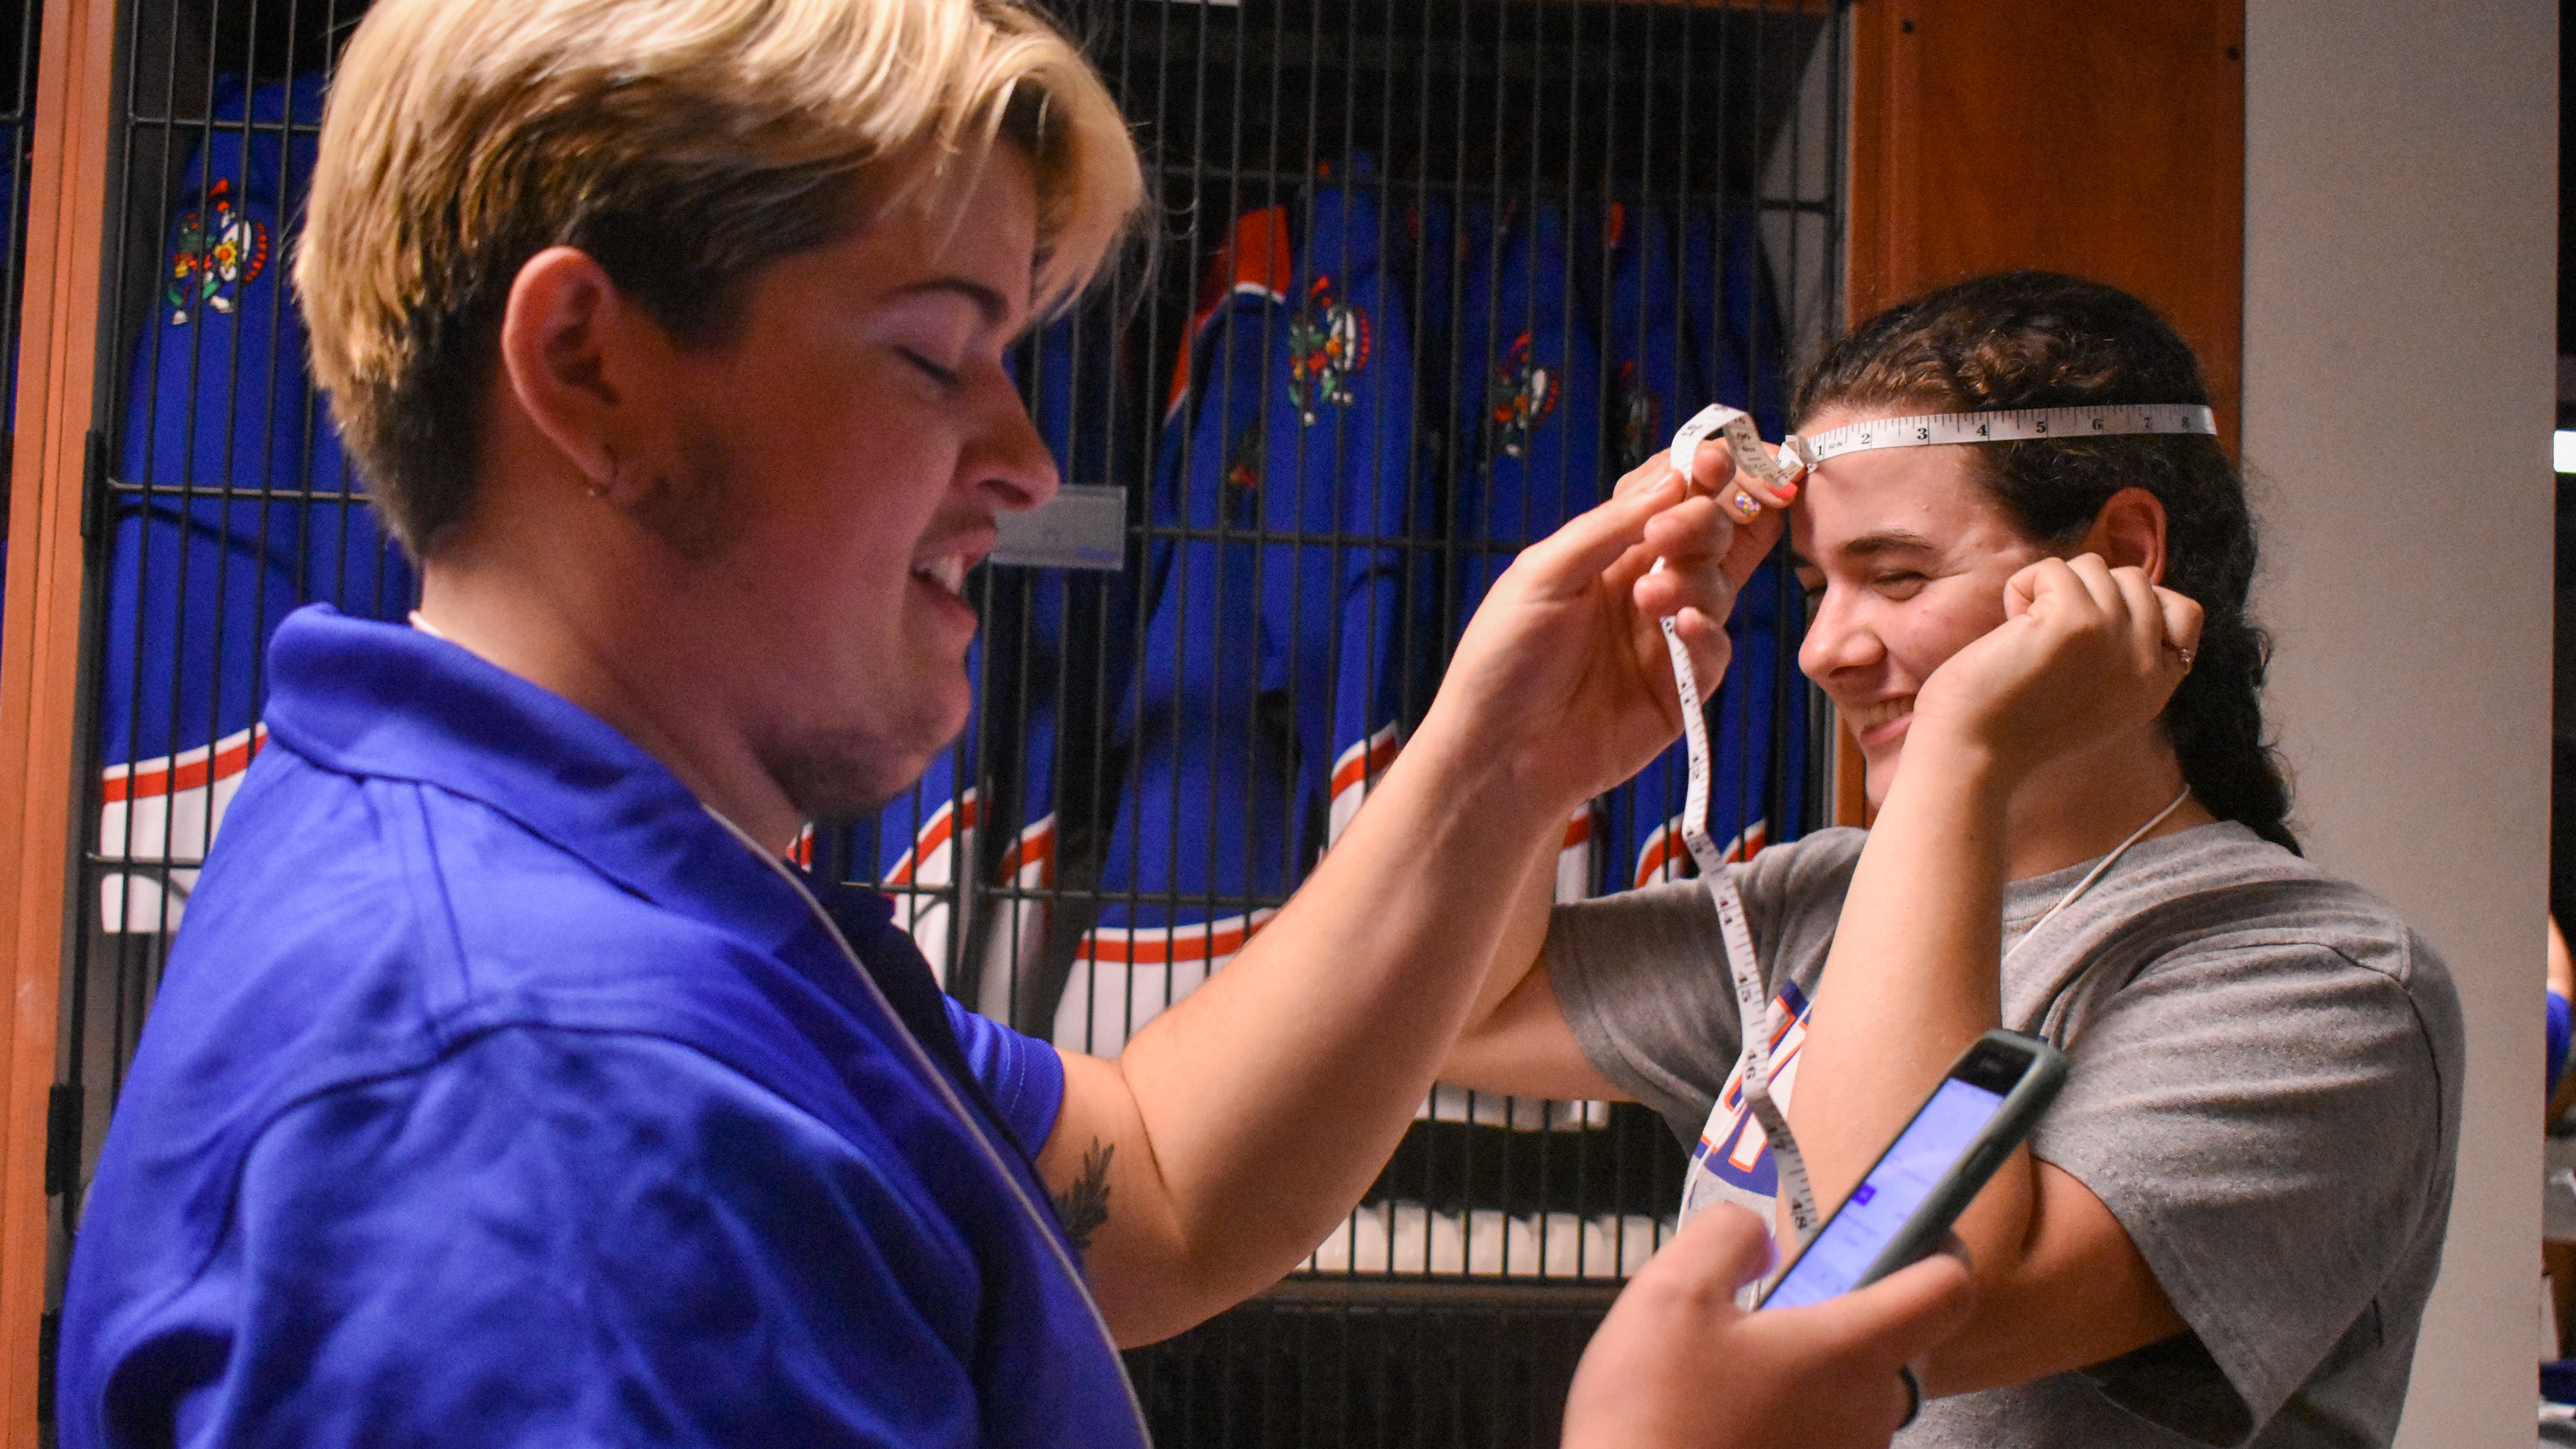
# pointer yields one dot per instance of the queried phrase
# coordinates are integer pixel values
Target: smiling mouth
(948, 572)
(1868, 717)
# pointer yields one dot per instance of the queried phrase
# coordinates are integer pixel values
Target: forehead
(1863, 505)
(976, 225)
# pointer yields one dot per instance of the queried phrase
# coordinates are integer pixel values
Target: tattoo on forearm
(1084, 1206)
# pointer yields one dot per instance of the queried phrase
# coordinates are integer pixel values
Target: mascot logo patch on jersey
(1522, 396)
(1640, 415)
(220, 252)
(1328, 342)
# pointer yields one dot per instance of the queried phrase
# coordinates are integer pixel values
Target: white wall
(2400, 221)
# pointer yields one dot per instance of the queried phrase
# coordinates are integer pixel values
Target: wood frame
(40, 631)
(2100, 137)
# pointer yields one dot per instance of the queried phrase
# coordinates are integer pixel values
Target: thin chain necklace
(2098, 872)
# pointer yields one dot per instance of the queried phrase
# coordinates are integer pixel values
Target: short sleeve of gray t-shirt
(2264, 1090)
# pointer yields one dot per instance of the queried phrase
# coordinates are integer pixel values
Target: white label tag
(1082, 528)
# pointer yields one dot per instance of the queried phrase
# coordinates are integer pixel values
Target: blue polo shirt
(496, 1093)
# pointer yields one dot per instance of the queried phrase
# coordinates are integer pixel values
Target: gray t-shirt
(2264, 1089)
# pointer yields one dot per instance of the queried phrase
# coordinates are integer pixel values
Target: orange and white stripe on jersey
(1360, 766)
(1125, 977)
(159, 816)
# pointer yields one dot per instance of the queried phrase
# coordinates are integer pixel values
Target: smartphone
(1980, 1112)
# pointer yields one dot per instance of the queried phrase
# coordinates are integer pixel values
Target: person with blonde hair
(506, 1085)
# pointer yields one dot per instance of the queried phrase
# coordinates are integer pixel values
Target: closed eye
(944, 376)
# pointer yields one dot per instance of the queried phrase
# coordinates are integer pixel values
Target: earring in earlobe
(598, 487)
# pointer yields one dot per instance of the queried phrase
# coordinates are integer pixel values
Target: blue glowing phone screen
(1889, 1195)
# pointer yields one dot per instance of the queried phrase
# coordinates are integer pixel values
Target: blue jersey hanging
(1275, 657)
(1061, 657)
(1656, 357)
(236, 506)
(1530, 421)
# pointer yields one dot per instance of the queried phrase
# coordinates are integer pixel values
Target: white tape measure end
(1779, 467)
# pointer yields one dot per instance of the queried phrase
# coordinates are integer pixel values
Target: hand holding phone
(1988, 1102)
(1676, 1365)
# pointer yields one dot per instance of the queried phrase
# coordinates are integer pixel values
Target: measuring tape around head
(2004, 425)
(1753, 1002)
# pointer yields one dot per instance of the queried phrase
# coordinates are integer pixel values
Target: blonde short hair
(684, 144)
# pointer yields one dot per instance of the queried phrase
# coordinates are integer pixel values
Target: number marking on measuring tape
(1753, 1004)
(2007, 425)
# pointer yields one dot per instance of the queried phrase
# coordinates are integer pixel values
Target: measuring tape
(1753, 1066)
(2005, 425)
(1742, 440)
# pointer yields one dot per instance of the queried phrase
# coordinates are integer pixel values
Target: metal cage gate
(1430, 277)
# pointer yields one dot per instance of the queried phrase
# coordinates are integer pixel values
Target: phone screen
(1862, 1226)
